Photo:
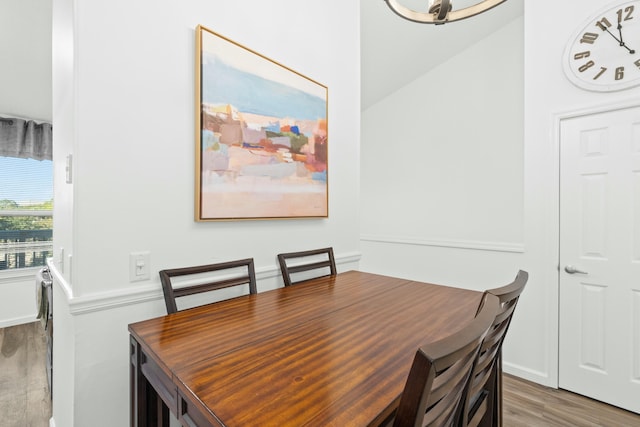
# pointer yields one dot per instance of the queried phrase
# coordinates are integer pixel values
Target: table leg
(138, 388)
(147, 409)
(157, 411)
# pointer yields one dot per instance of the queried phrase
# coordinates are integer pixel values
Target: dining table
(331, 351)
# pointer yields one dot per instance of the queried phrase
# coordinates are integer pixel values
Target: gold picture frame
(261, 136)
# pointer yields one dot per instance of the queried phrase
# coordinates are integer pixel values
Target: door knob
(572, 270)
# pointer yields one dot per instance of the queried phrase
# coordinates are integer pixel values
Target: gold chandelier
(441, 11)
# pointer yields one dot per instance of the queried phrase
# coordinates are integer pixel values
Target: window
(26, 203)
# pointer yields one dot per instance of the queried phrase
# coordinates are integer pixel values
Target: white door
(600, 257)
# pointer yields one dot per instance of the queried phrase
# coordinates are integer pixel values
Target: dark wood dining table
(333, 351)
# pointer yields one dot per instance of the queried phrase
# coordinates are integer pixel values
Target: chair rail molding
(153, 291)
(447, 243)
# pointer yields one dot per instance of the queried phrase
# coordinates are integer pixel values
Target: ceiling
(396, 51)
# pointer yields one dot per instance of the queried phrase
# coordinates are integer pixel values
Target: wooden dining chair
(434, 389)
(298, 262)
(206, 278)
(483, 399)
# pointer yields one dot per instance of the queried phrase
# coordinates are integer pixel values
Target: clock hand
(620, 32)
(620, 42)
(615, 38)
(631, 51)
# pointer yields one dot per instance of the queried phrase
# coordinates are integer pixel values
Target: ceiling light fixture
(441, 11)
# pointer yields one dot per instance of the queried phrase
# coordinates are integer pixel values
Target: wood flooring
(526, 404)
(24, 393)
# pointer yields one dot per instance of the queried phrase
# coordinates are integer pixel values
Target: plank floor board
(527, 404)
(24, 392)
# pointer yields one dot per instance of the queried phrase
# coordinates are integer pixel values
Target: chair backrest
(438, 378)
(482, 388)
(206, 278)
(297, 262)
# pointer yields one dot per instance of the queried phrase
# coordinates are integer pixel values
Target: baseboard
(17, 321)
(52, 422)
(529, 374)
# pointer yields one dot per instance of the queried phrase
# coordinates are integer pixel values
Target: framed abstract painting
(261, 136)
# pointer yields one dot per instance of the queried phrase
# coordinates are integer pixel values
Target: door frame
(554, 294)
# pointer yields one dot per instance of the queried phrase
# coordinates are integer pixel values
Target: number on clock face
(602, 55)
(590, 38)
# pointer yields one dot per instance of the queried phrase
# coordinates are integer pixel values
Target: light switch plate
(139, 265)
(68, 169)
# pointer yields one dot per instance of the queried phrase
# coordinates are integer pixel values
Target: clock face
(604, 55)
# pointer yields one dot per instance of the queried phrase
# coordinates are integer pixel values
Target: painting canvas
(261, 145)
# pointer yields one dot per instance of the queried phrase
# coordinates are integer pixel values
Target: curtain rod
(29, 119)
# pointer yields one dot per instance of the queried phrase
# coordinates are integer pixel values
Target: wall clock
(604, 53)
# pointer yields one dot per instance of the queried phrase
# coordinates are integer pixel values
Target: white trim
(554, 221)
(25, 212)
(152, 292)
(18, 274)
(21, 247)
(528, 374)
(345, 258)
(586, 111)
(59, 279)
(447, 243)
(17, 321)
(108, 300)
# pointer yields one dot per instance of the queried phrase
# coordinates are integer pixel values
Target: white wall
(548, 96)
(124, 109)
(25, 75)
(443, 177)
(25, 92)
(18, 302)
(487, 204)
(457, 129)
(107, 80)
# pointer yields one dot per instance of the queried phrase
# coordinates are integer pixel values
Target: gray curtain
(25, 139)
